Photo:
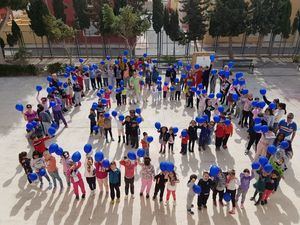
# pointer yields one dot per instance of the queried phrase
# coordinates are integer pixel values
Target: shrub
(18, 70)
(55, 67)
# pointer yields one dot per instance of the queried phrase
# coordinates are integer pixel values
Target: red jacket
(184, 140)
(77, 173)
(220, 130)
(39, 144)
(199, 77)
(101, 172)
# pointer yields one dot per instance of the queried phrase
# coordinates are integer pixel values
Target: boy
(184, 142)
(145, 144)
(160, 184)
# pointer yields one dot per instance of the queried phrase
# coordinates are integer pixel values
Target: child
(76, 179)
(159, 91)
(245, 179)
(177, 91)
(184, 142)
(69, 93)
(25, 163)
(38, 163)
(191, 194)
(154, 94)
(145, 144)
(171, 140)
(206, 184)
(107, 94)
(220, 134)
(90, 173)
(147, 175)
(52, 169)
(190, 99)
(278, 166)
(270, 187)
(124, 93)
(102, 178)
(107, 128)
(114, 182)
(172, 91)
(220, 183)
(120, 130)
(228, 133)
(65, 158)
(118, 97)
(263, 143)
(129, 175)
(192, 131)
(163, 139)
(134, 135)
(127, 124)
(260, 186)
(204, 136)
(171, 187)
(93, 122)
(232, 182)
(160, 184)
(165, 90)
(39, 143)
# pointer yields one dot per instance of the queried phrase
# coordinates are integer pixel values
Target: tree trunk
(284, 45)
(244, 43)
(196, 46)
(77, 45)
(202, 43)
(167, 44)
(85, 43)
(216, 44)
(174, 48)
(42, 52)
(157, 43)
(271, 44)
(49, 45)
(280, 45)
(259, 44)
(230, 53)
(2, 26)
(297, 46)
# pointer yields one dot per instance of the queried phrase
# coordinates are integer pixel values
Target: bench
(241, 63)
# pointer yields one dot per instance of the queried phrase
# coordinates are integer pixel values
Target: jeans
(47, 178)
(59, 116)
(114, 188)
(77, 97)
(55, 176)
(93, 81)
(108, 130)
(105, 82)
(240, 192)
(99, 82)
(87, 84)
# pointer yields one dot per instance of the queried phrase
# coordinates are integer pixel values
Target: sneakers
(141, 194)
(190, 212)
(112, 201)
(232, 211)
(132, 197)
(147, 195)
(242, 206)
(77, 197)
(83, 196)
(199, 208)
(41, 185)
(246, 152)
(252, 199)
(154, 198)
(174, 203)
(167, 203)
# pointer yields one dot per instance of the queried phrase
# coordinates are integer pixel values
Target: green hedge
(55, 67)
(18, 70)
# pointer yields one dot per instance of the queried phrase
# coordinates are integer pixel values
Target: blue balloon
(221, 109)
(204, 92)
(217, 119)
(179, 63)
(227, 122)
(264, 128)
(157, 125)
(139, 120)
(65, 85)
(49, 90)
(131, 155)
(227, 197)
(254, 103)
(131, 62)
(53, 147)
(262, 91)
(205, 117)
(51, 131)
(197, 66)
(211, 95)
(214, 170)
(103, 101)
(138, 110)
(257, 120)
(272, 105)
(114, 113)
(239, 75)
(19, 107)
(230, 64)
(245, 91)
(81, 60)
(255, 165)
(214, 72)
(106, 115)
(188, 67)
(212, 57)
(175, 130)
(219, 95)
(227, 73)
(235, 82)
(59, 151)
(200, 119)
(54, 125)
(125, 52)
(66, 75)
(99, 156)
(200, 86)
(121, 117)
(42, 172)
(76, 156)
(32, 176)
(102, 62)
(34, 123)
(105, 163)
(150, 139)
(49, 78)
(145, 55)
(29, 126)
(261, 105)
(184, 133)
(242, 82)
(235, 97)
(38, 88)
(197, 189)
(94, 105)
(74, 77)
(125, 60)
(170, 167)
(272, 149)
(263, 160)
(172, 88)
(183, 76)
(198, 92)
(257, 127)
(140, 152)
(108, 57)
(52, 104)
(268, 168)
(284, 145)
(87, 148)
(95, 128)
(163, 166)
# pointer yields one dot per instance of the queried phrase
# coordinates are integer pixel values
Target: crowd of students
(129, 82)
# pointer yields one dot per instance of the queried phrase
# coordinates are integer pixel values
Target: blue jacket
(115, 176)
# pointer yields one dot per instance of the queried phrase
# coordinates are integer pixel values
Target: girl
(145, 144)
(25, 163)
(118, 97)
(204, 136)
(110, 76)
(278, 114)
(77, 93)
(120, 130)
(208, 108)
(245, 180)
(163, 139)
(69, 93)
(232, 183)
(269, 117)
(107, 94)
(160, 184)
(171, 187)
(246, 109)
(52, 169)
(101, 124)
(220, 134)
(124, 93)
(107, 128)
(38, 163)
(171, 140)
(177, 91)
(260, 186)
(148, 78)
(228, 133)
(191, 194)
(206, 185)
(192, 131)
(220, 184)
(165, 90)
(147, 175)
(265, 140)
(270, 187)
(29, 114)
(184, 142)
(90, 173)
(118, 75)
(172, 91)
(86, 78)
(101, 175)
(76, 179)
(127, 124)
(154, 94)
(129, 175)
(45, 118)
(114, 182)
(93, 122)
(159, 91)
(65, 158)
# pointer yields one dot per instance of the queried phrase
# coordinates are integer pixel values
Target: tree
(36, 11)
(58, 31)
(195, 18)
(166, 25)
(175, 29)
(17, 33)
(215, 26)
(285, 22)
(10, 5)
(59, 10)
(296, 28)
(157, 21)
(128, 24)
(118, 5)
(2, 45)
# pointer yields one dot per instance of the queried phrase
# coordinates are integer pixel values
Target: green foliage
(108, 20)
(36, 11)
(59, 9)
(21, 55)
(82, 18)
(2, 43)
(55, 67)
(14, 4)
(166, 21)
(174, 32)
(56, 29)
(17, 33)
(18, 70)
(285, 22)
(157, 15)
(296, 23)
(11, 40)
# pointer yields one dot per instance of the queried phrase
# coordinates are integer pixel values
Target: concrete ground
(24, 204)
